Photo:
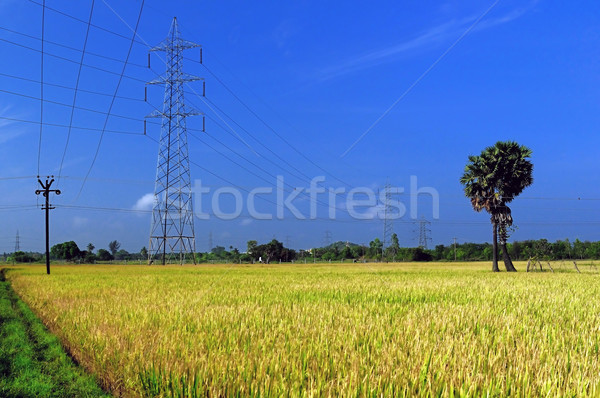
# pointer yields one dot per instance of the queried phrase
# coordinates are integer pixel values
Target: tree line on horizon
(275, 251)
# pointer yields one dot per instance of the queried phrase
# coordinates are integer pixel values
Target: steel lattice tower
(423, 232)
(388, 215)
(172, 232)
(17, 242)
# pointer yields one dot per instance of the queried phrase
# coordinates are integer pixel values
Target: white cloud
(144, 203)
(80, 222)
(246, 221)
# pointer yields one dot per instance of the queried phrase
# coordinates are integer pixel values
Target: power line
(17, 178)
(66, 125)
(112, 101)
(135, 33)
(246, 106)
(41, 89)
(262, 120)
(267, 148)
(70, 60)
(72, 106)
(233, 161)
(87, 33)
(68, 88)
(70, 47)
(272, 129)
(82, 21)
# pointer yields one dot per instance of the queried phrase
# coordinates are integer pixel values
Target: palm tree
(493, 179)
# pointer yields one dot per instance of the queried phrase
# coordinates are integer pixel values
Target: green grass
(451, 329)
(32, 361)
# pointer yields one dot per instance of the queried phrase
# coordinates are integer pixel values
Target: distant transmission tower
(17, 243)
(388, 215)
(210, 241)
(424, 232)
(172, 232)
(327, 238)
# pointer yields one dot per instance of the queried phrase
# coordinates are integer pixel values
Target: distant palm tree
(493, 179)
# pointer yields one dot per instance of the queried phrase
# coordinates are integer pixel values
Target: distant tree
(420, 254)
(90, 248)
(273, 250)
(104, 255)
(251, 248)
(491, 181)
(65, 251)
(394, 246)
(122, 255)
(22, 257)
(347, 252)
(375, 247)
(144, 252)
(579, 249)
(114, 247)
(219, 252)
(89, 258)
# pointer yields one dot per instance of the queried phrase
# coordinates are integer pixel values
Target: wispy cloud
(429, 38)
(79, 222)
(144, 203)
(8, 131)
(246, 221)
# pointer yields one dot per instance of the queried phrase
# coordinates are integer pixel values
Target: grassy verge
(32, 361)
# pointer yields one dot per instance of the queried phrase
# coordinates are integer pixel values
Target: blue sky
(462, 75)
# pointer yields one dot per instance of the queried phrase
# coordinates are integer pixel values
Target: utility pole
(454, 249)
(210, 241)
(45, 191)
(172, 230)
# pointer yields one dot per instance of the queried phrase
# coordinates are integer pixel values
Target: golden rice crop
(320, 330)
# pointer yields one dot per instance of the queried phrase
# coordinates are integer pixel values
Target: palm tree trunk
(495, 249)
(507, 261)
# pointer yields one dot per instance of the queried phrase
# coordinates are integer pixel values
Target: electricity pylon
(423, 232)
(17, 242)
(172, 231)
(388, 215)
(327, 238)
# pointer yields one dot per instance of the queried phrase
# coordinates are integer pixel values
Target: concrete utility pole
(45, 191)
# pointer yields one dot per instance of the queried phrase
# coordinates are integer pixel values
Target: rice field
(324, 330)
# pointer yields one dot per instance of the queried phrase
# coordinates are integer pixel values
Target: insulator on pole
(203, 124)
(200, 54)
(145, 93)
(148, 60)
(144, 127)
(203, 88)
